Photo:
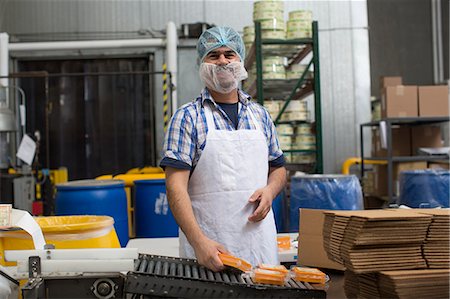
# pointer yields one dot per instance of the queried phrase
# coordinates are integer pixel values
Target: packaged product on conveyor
(276, 268)
(312, 275)
(232, 261)
(269, 277)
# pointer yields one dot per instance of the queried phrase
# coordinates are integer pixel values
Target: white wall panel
(344, 56)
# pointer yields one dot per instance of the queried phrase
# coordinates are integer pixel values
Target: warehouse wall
(344, 48)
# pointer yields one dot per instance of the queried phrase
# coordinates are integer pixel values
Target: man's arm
(264, 196)
(206, 250)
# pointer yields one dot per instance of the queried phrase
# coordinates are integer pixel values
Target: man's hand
(207, 253)
(263, 197)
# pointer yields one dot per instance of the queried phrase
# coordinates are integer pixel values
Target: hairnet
(217, 37)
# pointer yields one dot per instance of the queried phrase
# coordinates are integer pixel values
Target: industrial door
(92, 124)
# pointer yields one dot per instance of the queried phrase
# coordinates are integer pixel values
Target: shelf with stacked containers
(279, 80)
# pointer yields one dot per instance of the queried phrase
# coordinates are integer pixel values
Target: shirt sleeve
(180, 140)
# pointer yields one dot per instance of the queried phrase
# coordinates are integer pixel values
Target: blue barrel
(426, 188)
(278, 212)
(154, 218)
(95, 197)
(327, 192)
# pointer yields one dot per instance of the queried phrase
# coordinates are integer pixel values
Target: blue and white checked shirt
(186, 135)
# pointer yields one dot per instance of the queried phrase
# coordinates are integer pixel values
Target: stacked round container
(273, 67)
(299, 24)
(296, 71)
(295, 111)
(283, 131)
(271, 16)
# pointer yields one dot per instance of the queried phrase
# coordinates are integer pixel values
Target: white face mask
(222, 78)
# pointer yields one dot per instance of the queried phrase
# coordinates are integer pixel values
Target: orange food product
(284, 242)
(235, 262)
(312, 275)
(277, 268)
(268, 277)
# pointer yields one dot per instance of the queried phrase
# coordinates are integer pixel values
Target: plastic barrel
(278, 212)
(65, 232)
(425, 188)
(153, 216)
(95, 197)
(327, 192)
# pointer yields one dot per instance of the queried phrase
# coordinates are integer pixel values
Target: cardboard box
(433, 101)
(401, 142)
(390, 81)
(425, 136)
(399, 101)
(381, 176)
(439, 165)
(310, 243)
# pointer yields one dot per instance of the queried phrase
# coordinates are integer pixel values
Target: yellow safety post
(350, 161)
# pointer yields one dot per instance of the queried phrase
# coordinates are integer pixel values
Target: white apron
(232, 166)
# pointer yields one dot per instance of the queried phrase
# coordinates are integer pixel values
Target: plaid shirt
(186, 135)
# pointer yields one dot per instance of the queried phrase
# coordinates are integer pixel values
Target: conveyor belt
(156, 276)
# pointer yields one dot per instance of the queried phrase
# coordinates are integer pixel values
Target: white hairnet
(217, 37)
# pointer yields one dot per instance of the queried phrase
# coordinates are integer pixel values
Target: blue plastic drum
(327, 192)
(278, 212)
(153, 216)
(95, 197)
(426, 188)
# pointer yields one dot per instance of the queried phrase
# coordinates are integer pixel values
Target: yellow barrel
(65, 232)
(129, 179)
(149, 169)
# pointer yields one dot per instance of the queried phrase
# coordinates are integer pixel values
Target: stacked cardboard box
(403, 284)
(436, 247)
(384, 259)
(398, 100)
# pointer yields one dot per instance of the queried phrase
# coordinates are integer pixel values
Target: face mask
(222, 78)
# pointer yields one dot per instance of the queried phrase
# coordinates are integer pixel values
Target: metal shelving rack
(410, 121)
(295, 89)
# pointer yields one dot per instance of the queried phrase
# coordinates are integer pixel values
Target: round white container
(304, 146)
(280, 75)
(295, 116)
(303, 129)
(285, 139)
(294, 25)
(302, 158)
(296, 105)
(268, 14)
(285, 129)
(268, 5)
(273, 34)
(249, 30)
(279, 60)
(273, 24)
(304, 138)
(272, 106)
(303, 33)
(300, 15)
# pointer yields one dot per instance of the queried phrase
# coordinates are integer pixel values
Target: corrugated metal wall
(344, 51)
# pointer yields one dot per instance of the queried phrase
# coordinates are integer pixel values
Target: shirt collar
(244, 98)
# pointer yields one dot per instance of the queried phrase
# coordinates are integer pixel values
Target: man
(223, 162)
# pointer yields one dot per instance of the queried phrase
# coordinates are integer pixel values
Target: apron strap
(209, 118)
